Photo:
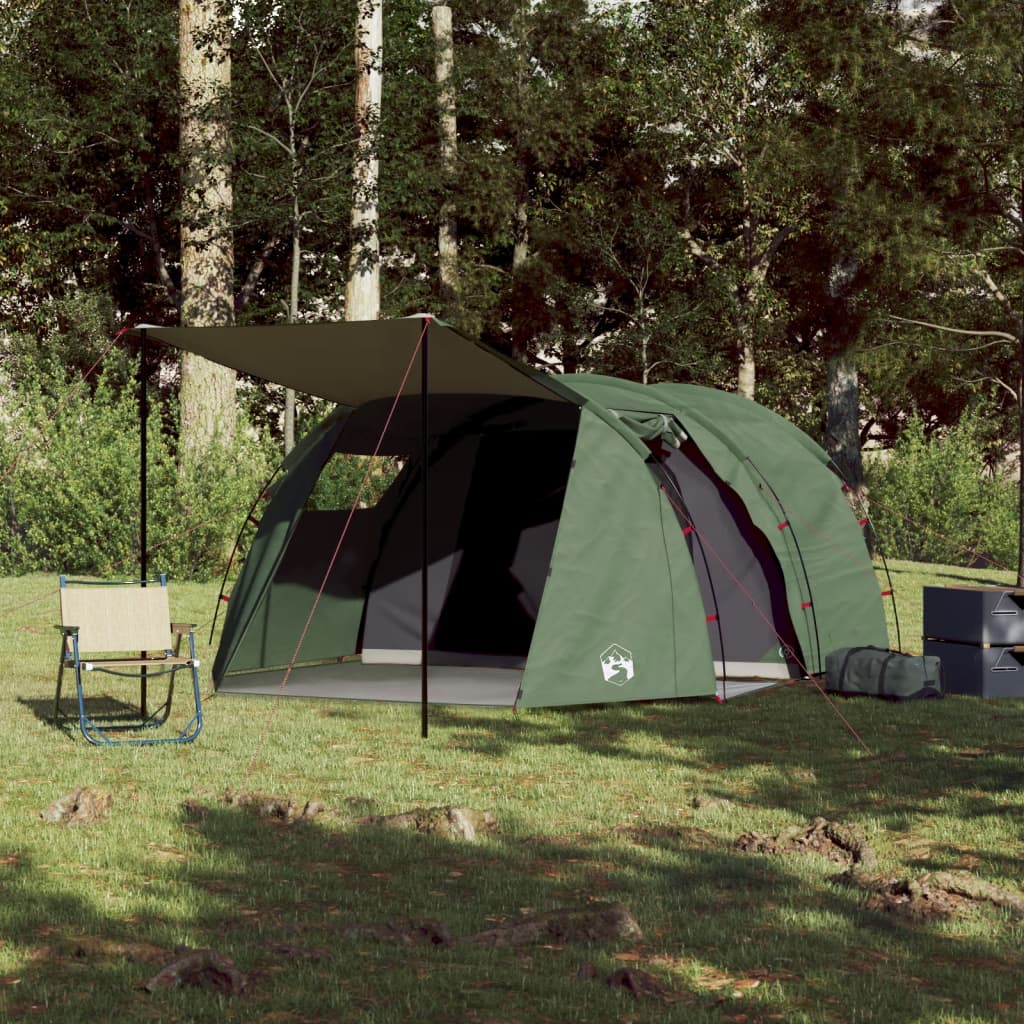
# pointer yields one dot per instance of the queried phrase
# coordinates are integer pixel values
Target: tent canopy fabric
(590, 539)
(356, 362)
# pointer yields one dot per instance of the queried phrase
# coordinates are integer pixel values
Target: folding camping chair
(129, 625)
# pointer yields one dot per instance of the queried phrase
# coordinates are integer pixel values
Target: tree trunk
(842, 426)
(207, 260)
(447, 232)
(362, 293)
(746, 350)
(293, 304)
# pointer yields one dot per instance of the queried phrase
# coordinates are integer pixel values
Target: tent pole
(424, 589)
(143, 490)
(143, 456)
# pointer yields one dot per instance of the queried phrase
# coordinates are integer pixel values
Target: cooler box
(974, 615)
(980, 670)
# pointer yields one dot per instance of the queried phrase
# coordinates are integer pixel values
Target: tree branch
(697, 251)
(245, 293)
(1004, 336)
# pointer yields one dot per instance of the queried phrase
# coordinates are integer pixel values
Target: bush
(933, 501)
(70, 486)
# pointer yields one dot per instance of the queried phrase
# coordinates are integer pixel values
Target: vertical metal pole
(143, 456)
(424, 580)
(143, 504)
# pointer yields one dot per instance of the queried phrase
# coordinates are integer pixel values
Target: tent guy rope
(264, 732)
(683, 514)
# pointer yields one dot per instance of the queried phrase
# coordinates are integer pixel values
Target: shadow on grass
(738, 937)
(107, 711)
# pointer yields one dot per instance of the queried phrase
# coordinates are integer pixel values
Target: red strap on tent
(687, 530)
(225, 598)
(710, 618)
(806, 604)
(784, 524)
(254, 521)
(863, 522)
(739, 585)
(887, 593)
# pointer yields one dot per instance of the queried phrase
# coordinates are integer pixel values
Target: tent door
(741, 584)
(494, 511)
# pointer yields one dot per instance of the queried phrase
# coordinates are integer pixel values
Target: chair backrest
(114, 617)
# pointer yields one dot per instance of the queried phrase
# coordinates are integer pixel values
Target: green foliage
(933, 501)
(71, 489)
(346, 477)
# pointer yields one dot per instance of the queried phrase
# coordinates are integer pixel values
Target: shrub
(933, 501)
(69, 477)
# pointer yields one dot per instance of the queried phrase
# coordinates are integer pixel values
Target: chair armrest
(68, 630)
(183, 628)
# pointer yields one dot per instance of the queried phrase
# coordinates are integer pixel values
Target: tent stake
(424, 591)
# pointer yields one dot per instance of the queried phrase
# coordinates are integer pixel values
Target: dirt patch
(465, 823)
(449, 822)
(401, 933)
(82, 806)
(279, 808)
(200, 968)
(597, 922)
(831, 839)
(712, 803)
(936, 895)
(650, 835)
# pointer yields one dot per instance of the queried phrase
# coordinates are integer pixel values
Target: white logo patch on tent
(617, 665)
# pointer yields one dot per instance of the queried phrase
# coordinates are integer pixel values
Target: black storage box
(974, 615)
(980, 671)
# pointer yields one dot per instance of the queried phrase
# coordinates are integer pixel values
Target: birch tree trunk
(362, 293)
(447, 232)
(842, 426)
(207, 259)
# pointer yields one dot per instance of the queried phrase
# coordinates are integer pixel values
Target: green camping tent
(549, 540)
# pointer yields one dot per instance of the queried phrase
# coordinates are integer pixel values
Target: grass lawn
(637, 804)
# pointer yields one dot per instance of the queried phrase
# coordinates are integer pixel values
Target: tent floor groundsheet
(729, 688)
(448, 684)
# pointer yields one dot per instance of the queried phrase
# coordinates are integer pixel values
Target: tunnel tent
(589, 540)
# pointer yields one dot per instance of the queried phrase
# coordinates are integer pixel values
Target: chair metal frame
(114, 617)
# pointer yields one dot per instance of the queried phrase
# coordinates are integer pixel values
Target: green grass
(593, 803)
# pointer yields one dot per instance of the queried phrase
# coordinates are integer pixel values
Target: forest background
(819, 205)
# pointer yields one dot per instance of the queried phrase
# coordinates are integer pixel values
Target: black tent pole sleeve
(424, 590)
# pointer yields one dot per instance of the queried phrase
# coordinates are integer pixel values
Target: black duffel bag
(875, 672)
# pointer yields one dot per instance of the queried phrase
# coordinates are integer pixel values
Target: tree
(362, 293)
(722, 91)
(292, 152)
(207, 257)
(448, 227)
(870, 228)
(88, 166)
(977, 178)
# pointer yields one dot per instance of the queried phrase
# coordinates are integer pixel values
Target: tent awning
(356, 362)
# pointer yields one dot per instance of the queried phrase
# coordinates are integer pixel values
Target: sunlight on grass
(638, 804)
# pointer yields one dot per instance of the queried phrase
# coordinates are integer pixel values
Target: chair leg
(60, 679)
